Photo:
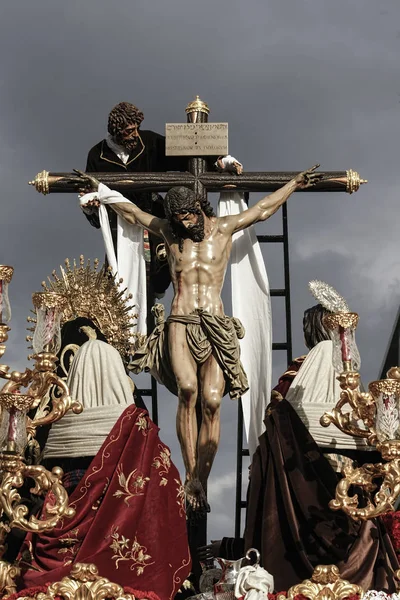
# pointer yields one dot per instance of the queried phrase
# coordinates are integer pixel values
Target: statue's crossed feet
(196, 500)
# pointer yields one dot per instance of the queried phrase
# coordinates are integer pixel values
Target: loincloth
(206, 335)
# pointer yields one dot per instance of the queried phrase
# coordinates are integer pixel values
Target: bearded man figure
(196, 352)
(128, 148)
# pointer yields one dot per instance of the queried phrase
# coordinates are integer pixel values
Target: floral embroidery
(124, 550)
(163, 463)
(71, 544)
(180, 497)
(143, 425)
(131, 486)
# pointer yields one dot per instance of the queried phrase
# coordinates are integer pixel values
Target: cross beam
(199, 180)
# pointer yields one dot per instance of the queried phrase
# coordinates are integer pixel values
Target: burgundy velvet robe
(130, 516)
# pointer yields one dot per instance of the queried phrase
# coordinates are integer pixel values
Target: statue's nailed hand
(308, 178)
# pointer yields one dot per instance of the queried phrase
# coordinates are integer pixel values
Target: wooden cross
(196, 177)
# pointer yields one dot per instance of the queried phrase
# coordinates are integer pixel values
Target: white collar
(120, 151)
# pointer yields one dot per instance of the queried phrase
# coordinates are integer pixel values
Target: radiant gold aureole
(197, 106)
(325, 584)
(6, 273)
(98, 296)
(49, 300)
(345, 320)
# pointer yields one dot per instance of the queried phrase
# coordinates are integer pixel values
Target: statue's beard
(194, 232)
(127, 144)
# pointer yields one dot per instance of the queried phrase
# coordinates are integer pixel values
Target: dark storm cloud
(298, 82)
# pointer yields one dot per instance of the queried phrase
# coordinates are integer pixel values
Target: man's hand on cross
(90, 184)
(308, 178)
(229, 164)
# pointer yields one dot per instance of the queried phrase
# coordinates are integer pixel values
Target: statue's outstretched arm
(121, 205)
(266, 207)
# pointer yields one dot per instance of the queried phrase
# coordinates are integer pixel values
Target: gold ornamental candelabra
(20, 395)
(372, 415)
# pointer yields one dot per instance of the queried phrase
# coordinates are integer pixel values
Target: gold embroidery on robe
(71, 544)
(162, 463)
(125, 550)
(132, 486)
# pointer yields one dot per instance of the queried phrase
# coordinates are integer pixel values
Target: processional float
(16, 427)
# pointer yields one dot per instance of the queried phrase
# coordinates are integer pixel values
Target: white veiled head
(97, 376)
(314, 391)
(98, 380)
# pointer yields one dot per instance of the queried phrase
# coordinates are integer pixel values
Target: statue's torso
(198, 272)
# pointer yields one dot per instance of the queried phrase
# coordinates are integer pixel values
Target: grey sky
(299, 81)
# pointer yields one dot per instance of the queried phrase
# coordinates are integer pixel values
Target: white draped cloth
(251, 304)
(254, 583)
(97, 379)
(314, 391)
(131, 264)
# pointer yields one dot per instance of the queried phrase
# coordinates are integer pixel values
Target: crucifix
(198, 139)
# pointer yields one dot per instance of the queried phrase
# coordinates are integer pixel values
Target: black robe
(147, 157)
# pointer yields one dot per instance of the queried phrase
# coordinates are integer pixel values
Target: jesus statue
(201, 345)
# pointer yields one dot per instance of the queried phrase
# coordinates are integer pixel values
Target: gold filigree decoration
(96, 295)
(346, 320)
(9, 400)
(133, 552)
(15, 472)
(384, 499)
(8, 575)
(363, 408)
(132, 486)
(354, 181)
(49, 300)
(41, 182)
(197, 105)
(6, 273)
(384, 386)
(162, 463)
(84, 583)
(325, 584)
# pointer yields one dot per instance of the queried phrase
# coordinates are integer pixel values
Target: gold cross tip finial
(197, 105)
